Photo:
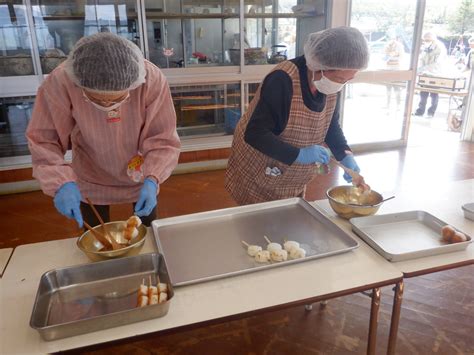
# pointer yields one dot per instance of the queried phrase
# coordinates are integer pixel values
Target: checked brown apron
(246, 179)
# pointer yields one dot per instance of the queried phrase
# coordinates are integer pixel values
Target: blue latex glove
(147, 200)
(313, 154)
(349, 162)
(68, 202)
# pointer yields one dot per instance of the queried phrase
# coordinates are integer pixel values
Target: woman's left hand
(147, 200)
(350, 163)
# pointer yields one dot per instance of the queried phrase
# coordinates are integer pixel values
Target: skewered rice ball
(262, 256)
(297, 253)
(289, 245)
(458, 237)
(253, 249)
(447, 233)
(273, 247)
(279, 255)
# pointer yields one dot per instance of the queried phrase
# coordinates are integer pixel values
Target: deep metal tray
(405, 235)
(206, 246)
(468, 209)
(91, 297)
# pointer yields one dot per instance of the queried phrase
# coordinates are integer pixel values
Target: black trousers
(104, 212)
(424, 100)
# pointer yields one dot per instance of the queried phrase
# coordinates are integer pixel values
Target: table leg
(374, 314)
(397, 306)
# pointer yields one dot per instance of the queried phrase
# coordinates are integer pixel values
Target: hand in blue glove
(313, 154)
(349, 162)
(68, 202)
(147, 200)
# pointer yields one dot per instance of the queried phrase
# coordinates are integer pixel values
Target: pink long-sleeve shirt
(102, 148)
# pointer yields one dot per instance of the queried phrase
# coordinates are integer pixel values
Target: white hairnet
(336, 48)
(105, 62)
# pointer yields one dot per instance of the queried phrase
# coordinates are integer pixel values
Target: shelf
(189, 16)
(82, 17)
(178, 98)
(207, 107)
(201, 130)
(151, 15)
(281, 15)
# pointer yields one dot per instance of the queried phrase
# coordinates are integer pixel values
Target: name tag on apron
(134, 168)
(113, 116)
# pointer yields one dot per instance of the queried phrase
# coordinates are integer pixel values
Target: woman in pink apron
(295, 111)
(114, 110)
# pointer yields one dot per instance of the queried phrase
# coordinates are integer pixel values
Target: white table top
(443, 202)
(4, 256)
(354, 270)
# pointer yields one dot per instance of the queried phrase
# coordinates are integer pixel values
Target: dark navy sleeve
(270, 118)
(335, 139)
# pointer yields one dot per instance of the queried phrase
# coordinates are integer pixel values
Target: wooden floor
(438, 309)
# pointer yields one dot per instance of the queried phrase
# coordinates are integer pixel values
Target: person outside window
(470, 55)
(394, 54)
(432, 58)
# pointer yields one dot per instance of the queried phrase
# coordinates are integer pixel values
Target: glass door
(378, 102)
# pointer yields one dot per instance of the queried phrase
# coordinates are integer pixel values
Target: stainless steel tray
(86, 298)
(206, 246)
(405, 235)
(468, 209)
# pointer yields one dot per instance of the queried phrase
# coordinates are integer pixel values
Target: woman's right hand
(68, 202)
(313, 154)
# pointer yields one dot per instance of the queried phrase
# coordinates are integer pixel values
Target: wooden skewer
(99, 236)
(111, 239)
(266, 238)
(245, 243)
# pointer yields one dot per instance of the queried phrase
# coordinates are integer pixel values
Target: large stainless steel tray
(206, 246)
(405, 235)
(91, 297)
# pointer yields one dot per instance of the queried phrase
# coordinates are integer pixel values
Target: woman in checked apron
(294, 119)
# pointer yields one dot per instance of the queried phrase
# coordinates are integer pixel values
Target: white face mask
(106, 108)
(326, 86)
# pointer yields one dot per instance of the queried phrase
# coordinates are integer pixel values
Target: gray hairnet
(105, 62)
(336, 48)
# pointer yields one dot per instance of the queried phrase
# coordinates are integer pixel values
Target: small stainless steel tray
(468, 209)
(206, 246)
(86, 298)
(405, 235)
